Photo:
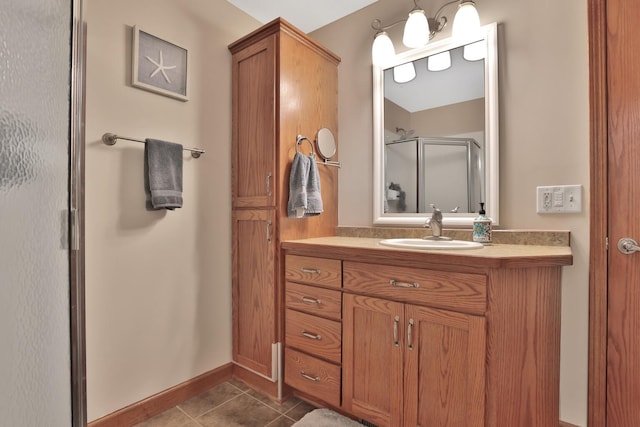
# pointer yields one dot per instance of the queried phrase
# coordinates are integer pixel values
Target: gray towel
(305, 198)
(162, 174)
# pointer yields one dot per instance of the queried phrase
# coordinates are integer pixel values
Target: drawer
(459, 291)
(314, 335)
(314, 300)
(312, 376)
(314, 271)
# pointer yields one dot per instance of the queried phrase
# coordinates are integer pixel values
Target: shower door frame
(76, 217)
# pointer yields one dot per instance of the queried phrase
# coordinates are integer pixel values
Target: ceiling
(307, 15)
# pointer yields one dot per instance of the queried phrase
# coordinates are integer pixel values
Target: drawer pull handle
(309, 377)
(311, 300)
(396, 321)
(311, 336)
(398, 284)
(268, 182)
(410, 334)
(269, 231)
(310, 270)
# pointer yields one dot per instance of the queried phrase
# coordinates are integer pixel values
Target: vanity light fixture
(419, 28)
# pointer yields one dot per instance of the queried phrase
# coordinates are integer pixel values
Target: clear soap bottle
(482, 227)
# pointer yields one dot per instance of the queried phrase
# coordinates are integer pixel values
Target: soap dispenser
(482, 227)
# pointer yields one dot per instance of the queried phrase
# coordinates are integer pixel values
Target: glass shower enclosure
(39, 187)
(443, 171)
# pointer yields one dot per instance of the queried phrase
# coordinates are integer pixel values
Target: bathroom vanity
(419, 338)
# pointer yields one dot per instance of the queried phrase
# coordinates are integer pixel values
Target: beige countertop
(491, 256)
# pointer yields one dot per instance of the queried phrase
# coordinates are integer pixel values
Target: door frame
(599, 215)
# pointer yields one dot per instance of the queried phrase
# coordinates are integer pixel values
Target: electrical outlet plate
(559, 199)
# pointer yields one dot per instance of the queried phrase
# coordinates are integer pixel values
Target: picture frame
(159, 65)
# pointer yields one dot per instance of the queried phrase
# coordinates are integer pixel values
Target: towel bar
(111, 138)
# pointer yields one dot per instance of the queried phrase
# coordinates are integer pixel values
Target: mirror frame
(491, 143)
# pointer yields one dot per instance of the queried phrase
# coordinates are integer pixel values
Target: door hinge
(606, 243)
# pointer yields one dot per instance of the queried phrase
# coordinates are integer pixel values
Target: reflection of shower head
(403, 133)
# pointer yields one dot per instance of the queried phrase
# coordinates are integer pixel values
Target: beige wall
(442, 121)
(158, 284)
(543, 137)
(439, 121)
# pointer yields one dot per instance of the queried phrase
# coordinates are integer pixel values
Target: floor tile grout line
(282, 415)
(241, 390)
(267, 405)
(291, 409)
(188, 416)
(216, 407)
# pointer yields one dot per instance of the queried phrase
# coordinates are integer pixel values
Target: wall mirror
(435, 132)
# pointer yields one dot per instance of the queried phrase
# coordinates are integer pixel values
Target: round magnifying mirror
(326, 143)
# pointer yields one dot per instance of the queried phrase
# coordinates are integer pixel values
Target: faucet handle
(437, 213)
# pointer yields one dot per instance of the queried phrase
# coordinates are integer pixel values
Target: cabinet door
(372, 348)
(444, 368)
(254, 125)
(254, 330)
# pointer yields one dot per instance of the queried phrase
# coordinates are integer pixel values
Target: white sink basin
(430, 244)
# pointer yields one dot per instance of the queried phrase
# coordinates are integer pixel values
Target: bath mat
(325, 418)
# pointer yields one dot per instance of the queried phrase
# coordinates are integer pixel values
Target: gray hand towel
(305, 198)
(162, 174)
(314, 197)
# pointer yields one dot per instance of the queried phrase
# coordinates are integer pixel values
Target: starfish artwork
(161, 67)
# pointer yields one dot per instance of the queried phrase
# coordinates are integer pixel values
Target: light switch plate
(559, 199)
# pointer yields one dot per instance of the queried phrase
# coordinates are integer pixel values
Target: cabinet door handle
(410, 335)
(311, 300)
(311, 336)
(269, 175)
(396, 322)
(309, 377)
(310, 270)
(269, 231)
(399, 284)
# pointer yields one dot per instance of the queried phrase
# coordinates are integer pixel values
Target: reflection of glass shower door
(449, 174)
(445, 177)
(35, 372)
(401, 158)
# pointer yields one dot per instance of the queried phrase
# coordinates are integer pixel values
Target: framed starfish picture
(158, 65)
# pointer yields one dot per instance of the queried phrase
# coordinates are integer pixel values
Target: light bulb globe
(416, 30)
(382, 50)
(404, 73)
(466, 21)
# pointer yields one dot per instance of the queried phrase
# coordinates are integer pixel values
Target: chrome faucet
(434, 222)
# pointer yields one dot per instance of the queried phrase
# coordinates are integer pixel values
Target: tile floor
(231, 404)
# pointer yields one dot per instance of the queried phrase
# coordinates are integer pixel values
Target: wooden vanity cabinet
(313, 327)
(447, 339)
(409, 364)
(254, 289)
(283, 84)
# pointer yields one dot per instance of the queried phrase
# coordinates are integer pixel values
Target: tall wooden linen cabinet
(284, 85)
